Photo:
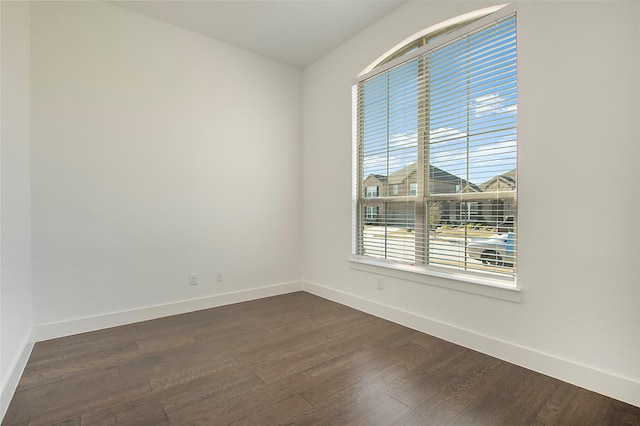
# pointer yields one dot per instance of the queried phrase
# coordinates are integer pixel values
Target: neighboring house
(500, 209)
(503, 182)
(403, 183)
(375, 186)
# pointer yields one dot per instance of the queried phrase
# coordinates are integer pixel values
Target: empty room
(395, 212)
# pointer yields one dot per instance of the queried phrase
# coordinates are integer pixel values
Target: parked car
(497, 249)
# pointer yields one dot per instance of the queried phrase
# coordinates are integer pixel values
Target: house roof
(381, 178)
(508, 178)
(435, 173)
(401, 175)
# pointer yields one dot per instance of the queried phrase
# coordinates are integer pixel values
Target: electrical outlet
(380, 283)
(193, 279)
(218, 276)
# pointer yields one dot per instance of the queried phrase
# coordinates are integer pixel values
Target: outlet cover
(193, 279)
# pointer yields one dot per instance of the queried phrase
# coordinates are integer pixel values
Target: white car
(498, 249)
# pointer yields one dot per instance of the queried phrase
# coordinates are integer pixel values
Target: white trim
(466, 281)
(115, 319)
(622, 388)
(12, 377)
(486, 16)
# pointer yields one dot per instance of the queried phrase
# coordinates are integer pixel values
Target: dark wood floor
(292, 359)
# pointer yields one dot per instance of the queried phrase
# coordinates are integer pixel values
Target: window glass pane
(472, 110)
(437, 156)
(476, 236)
(389, 122)
(388, 232)
(389, 152)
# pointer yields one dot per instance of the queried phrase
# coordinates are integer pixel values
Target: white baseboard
(10, 385)
(99, 322)
(606, 383)
(614, 386)
(114, 319)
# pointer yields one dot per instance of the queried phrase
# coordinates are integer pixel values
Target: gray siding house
(389, 199)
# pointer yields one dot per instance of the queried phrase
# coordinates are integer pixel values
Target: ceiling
(296, 32)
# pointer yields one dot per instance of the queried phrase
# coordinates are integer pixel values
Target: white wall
(15, 211)
(578, 196)
(156, 153)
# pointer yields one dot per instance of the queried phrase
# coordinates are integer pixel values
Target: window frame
(405, 53)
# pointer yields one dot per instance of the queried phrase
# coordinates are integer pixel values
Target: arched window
(435, 132)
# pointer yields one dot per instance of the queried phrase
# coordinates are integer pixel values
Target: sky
(468, 115)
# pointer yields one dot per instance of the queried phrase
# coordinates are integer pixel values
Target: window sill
(497, 288)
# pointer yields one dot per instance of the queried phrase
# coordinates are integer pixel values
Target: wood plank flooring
(291, 359)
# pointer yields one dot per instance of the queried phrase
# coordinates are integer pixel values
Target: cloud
(491, 104)
(377, 164)
(448, 151)
(403, 150)
(446, 134)
(404, 140)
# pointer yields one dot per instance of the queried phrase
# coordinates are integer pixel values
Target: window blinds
(436, 153)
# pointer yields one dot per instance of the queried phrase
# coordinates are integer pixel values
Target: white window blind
(435, 132)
